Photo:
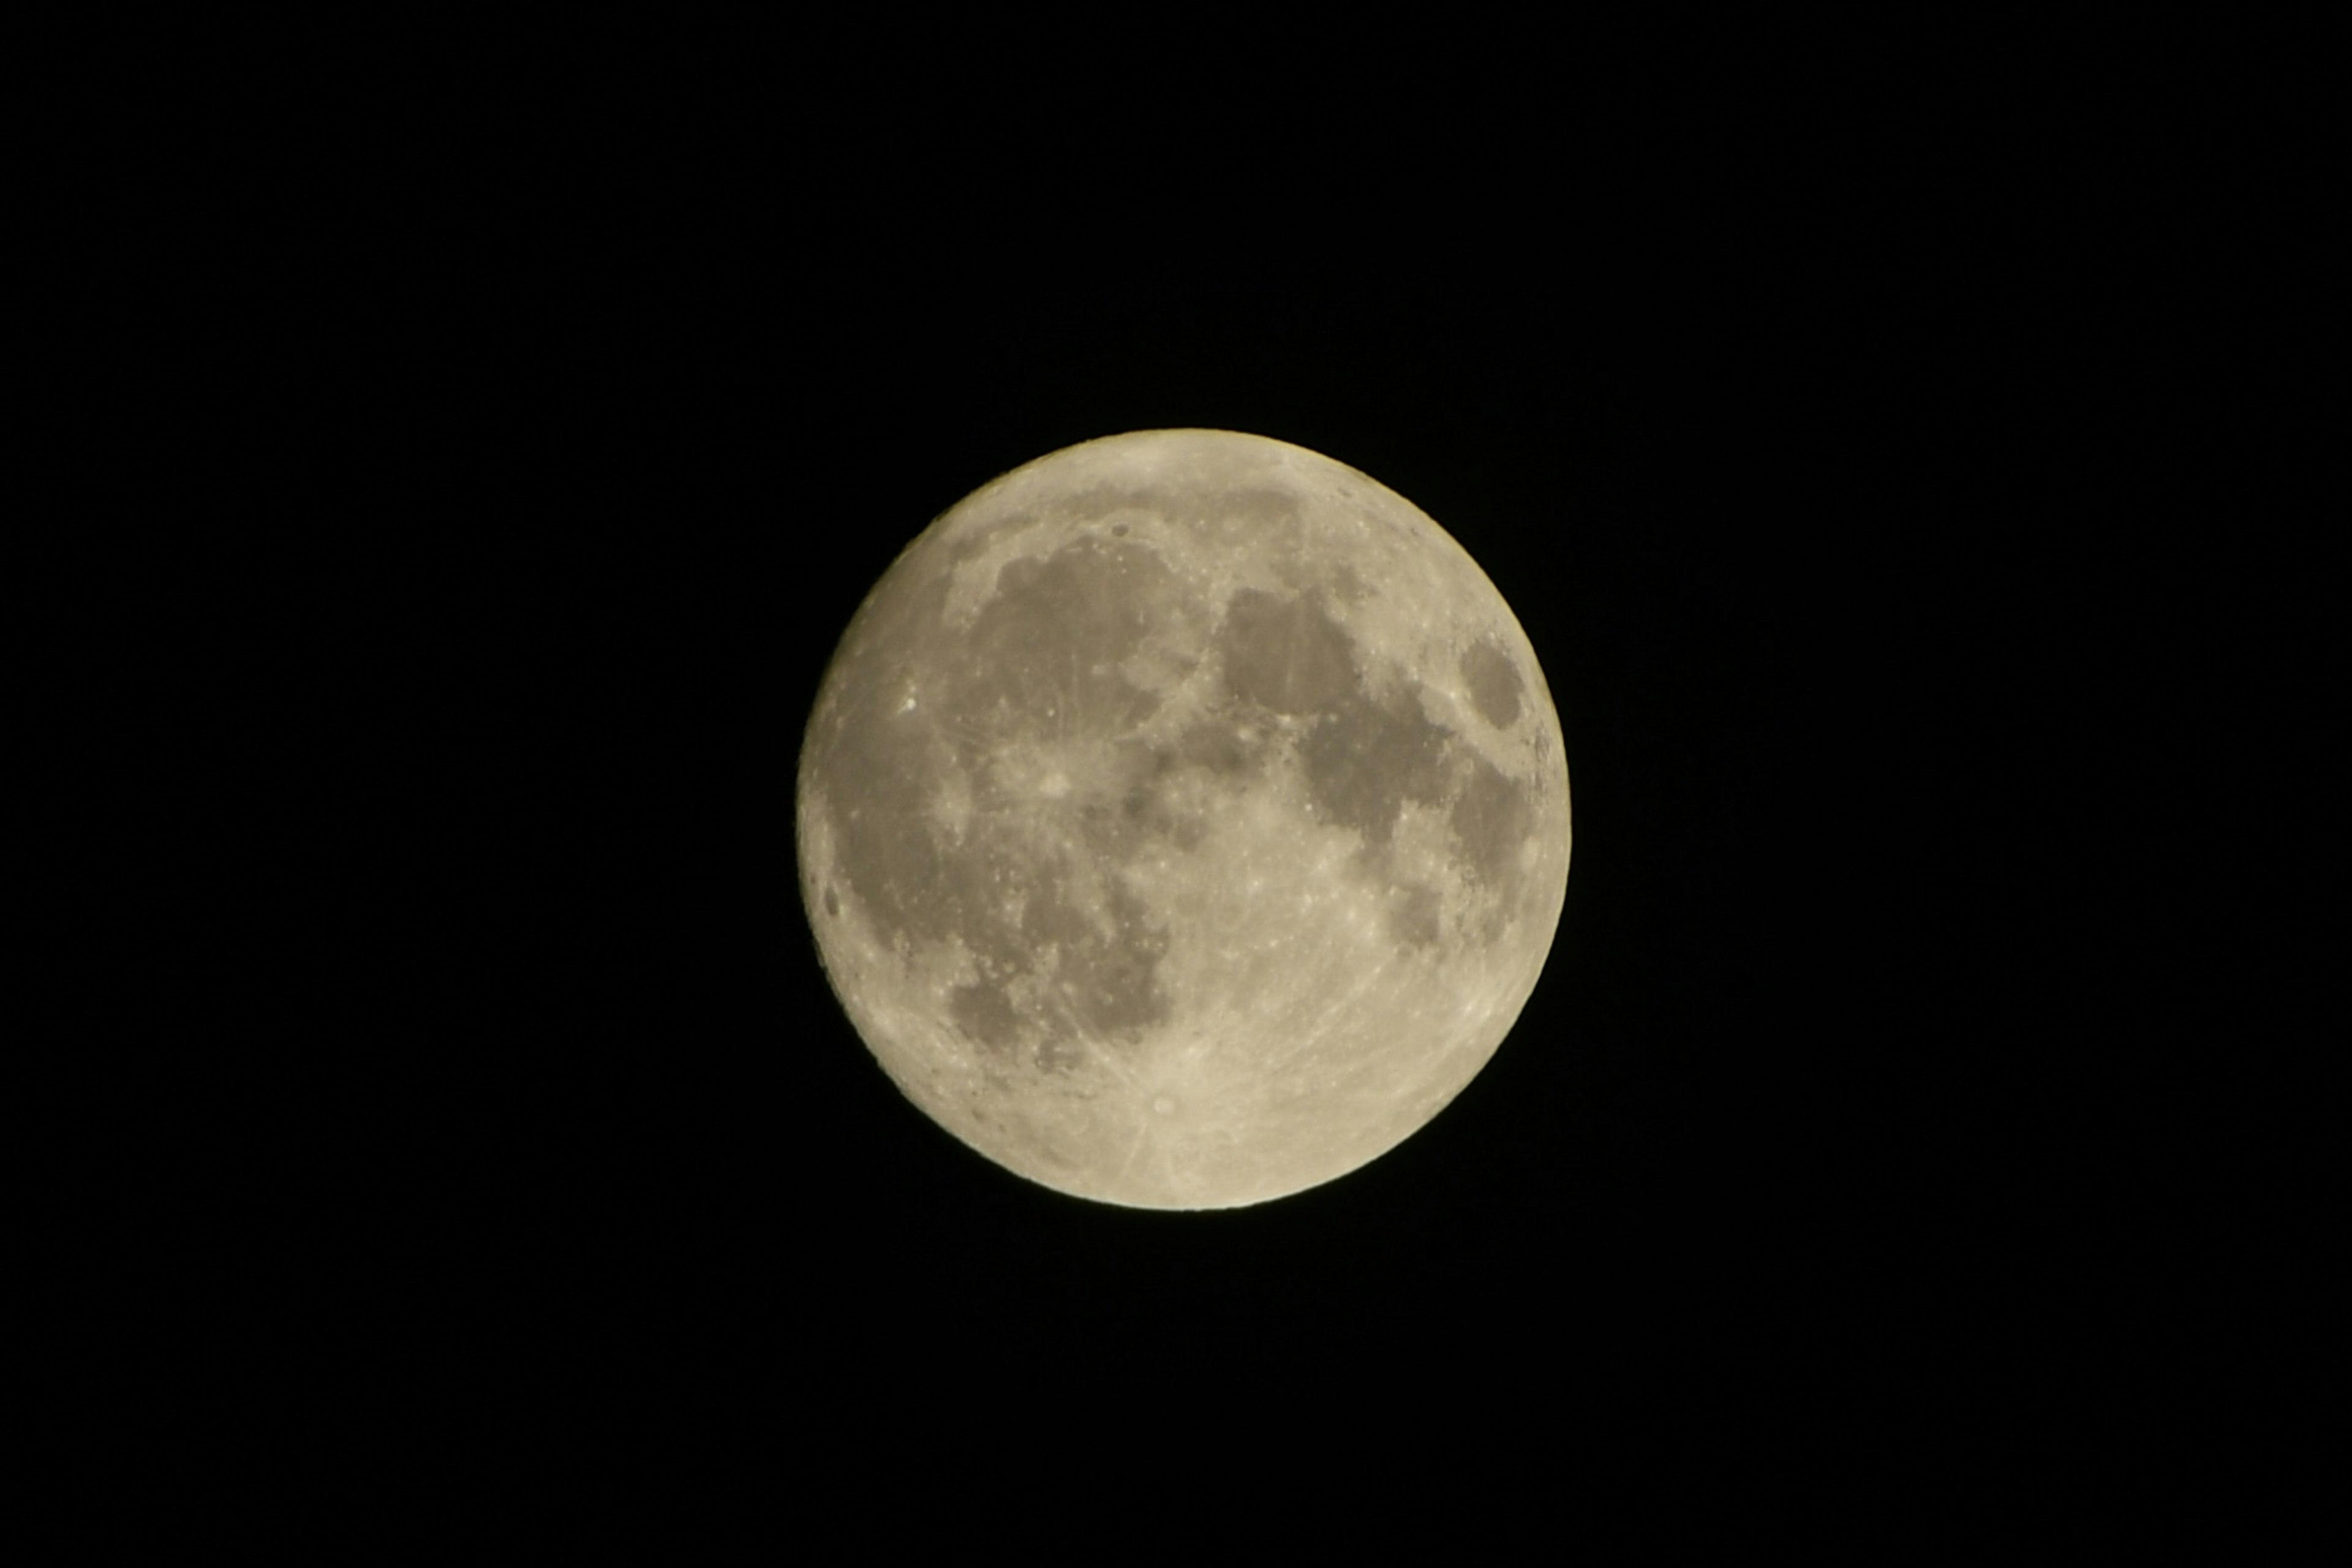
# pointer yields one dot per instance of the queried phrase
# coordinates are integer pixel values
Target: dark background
(1848, 459)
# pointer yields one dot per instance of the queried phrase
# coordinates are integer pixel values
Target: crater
(1060, 1055)
(871, 756)
(1494, 682)
(1113, 979)
(1284, 653)
(1225, 745)
(1490, 819)
(1252, 510)
(1042, 655)
(1412, 915)
(1102, 967)
(1364, 761)
(985, 1016)
(1142, 811)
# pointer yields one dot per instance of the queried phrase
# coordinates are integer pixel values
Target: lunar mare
(1183, 820)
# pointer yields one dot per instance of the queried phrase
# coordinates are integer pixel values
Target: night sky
(1833, 463)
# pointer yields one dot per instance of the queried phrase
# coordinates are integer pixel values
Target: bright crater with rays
(1183, 820)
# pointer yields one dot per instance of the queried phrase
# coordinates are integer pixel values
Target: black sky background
(1843, 460)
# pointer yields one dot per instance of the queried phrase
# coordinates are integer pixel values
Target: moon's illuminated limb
(1183, 819)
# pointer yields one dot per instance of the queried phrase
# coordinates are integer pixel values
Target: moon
(1183, 820)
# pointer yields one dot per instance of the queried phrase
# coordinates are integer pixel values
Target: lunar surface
(1183, 820)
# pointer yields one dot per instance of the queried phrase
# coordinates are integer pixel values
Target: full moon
(1183, 820)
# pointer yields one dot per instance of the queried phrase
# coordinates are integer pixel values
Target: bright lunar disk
(1183, 820)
